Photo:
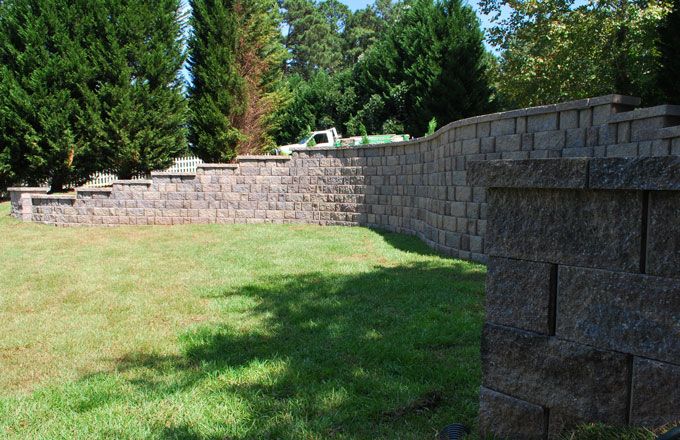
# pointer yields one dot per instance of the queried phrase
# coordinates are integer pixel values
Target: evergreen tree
(259, 60)
(314, 38)
(430, 63)
(217, 91)
(135, 108)
(669, 46)
(43, 71)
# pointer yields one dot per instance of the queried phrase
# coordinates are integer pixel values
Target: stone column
(583, 294)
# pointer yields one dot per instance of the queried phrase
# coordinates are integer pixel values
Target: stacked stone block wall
(417, 187)
(583, 294)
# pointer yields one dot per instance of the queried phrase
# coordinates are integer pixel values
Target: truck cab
(321, 138)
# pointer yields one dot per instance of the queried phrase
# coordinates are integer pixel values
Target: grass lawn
(233, 332)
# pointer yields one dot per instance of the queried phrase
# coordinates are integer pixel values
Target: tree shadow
(393, 350)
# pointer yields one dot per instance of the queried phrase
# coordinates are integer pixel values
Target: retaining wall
(417, 187)
(582, 296)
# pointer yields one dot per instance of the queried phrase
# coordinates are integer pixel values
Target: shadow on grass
(406, 243)
(381, 354)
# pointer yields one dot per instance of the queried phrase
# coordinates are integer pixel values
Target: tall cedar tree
(669, 46)
(259, 59)
(43, 71)
(218, 90)
(430, 63)
(135, 107)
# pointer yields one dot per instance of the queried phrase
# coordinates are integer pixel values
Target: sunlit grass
(233, 332)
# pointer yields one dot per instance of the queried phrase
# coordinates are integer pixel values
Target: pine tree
(669, 46)
(43, 71)
(135, 108)
(259, 60)
(314, 37)
(429, 63)
(218, 90)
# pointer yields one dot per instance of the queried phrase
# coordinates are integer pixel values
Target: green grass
(233, 332)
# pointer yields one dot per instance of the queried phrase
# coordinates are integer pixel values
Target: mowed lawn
(233, 332)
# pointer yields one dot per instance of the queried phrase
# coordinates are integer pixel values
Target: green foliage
(430, 63)
(555, 50)
(235, 58)
(136, 111)
(431, 126)
(87, 86)
(43, 72)
(324, 101)
(669, 47)
(217, 90)
(314, 39)
(364, 134)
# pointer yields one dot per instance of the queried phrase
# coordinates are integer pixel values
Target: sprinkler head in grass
(455, 431)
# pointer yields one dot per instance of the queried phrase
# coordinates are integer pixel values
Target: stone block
(549, 140)
(656, 173)
(520, 294)
(529, 173)
(663, 234)
(511, 142)
(600, 229)
(581, 383)
(568, 119)
(629, 313)
(543, 122)
(575, 138)
(502, 416)
(656, 394)
(502, 127)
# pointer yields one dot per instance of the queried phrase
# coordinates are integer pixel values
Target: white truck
(331, 138)
(321, 138)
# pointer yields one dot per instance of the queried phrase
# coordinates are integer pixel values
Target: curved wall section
(417, 187)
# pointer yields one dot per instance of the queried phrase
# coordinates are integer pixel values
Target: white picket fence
(181, 165)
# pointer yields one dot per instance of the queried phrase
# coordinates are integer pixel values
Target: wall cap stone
(647, 173)
(261, 158)
(217, 166)
(28, 189)
(529, 173)
(133, 182)
(647, 112)
(85, 189)
(171, 174)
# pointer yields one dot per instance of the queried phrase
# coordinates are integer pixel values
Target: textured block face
(571, 173)
(656, 394)
(630, 313)
(659, 173)
(518, 294)
(580, 382)
(663, 234)
(505, 417)
(583, 228)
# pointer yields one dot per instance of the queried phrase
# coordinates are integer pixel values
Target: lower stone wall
(582, 296)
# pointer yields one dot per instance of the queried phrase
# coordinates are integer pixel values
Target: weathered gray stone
(502, 416)
(549, 140)
(663, 234)
(599, 229)
(542, 122)
(518, 294)
(531, 173)
(655, 173)
(580, 381)
(629, 313)
(656, 395)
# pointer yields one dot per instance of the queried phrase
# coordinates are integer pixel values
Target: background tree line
(127, 85)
